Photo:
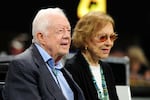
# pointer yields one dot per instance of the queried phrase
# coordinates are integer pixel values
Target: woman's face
(99, 46)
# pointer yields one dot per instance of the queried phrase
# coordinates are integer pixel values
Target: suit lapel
(73, 85)
(46, 76)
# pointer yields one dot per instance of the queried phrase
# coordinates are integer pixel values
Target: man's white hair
(42, 20)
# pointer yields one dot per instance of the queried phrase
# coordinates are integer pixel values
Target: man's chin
(64, 52)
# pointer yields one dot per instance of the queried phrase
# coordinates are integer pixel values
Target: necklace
(104, 95)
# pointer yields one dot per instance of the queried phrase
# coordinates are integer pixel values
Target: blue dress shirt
(56, 73)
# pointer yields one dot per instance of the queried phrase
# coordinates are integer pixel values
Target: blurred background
(132, 19)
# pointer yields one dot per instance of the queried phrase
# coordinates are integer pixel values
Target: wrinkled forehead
(60, 21)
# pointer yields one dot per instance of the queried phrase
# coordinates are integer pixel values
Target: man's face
(58, 39)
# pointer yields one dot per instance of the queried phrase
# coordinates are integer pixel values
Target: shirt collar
(46, 57)
(52, 64)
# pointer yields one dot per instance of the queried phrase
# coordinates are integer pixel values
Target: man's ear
(40, 38)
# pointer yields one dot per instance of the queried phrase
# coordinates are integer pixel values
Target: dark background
(132, 18)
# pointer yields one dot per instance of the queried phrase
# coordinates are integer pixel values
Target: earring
(86, 48)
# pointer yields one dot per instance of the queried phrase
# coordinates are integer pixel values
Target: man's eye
(69, 30)
(61, 30)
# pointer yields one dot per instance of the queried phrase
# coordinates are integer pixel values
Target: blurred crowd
(16, 44)
(139, 65)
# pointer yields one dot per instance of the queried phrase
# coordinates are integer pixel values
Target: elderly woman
(93, 37)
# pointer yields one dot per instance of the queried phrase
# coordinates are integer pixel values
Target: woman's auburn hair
(88, 26)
